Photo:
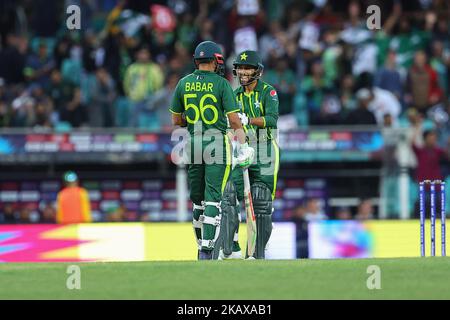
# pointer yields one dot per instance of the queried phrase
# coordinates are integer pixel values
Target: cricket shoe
(205, 255)
(235, 255)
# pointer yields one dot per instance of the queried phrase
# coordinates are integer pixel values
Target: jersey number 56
(200, 111)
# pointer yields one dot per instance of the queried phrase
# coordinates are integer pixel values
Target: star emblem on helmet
(202, 54)
(244, 56)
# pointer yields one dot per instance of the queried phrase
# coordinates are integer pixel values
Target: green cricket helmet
(251, 59)
(208, 51)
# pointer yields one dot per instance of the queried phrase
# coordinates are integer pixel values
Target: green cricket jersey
(261, 102)
(206, 97)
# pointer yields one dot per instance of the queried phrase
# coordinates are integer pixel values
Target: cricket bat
(250, 213)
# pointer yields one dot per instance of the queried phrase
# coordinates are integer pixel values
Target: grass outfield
(405, 278)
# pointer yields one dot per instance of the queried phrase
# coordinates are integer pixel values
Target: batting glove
(244, 119)
(246, 156)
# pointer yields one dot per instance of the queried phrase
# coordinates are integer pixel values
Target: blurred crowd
(14, 213)
(121, 67)
(314, 209)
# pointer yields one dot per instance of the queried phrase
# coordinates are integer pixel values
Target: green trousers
(207, 183)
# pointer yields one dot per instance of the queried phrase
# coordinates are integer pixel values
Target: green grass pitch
(403, 278)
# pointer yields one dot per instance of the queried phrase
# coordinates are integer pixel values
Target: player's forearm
(178, 120)
(259, 122)
(236, 125)
(263, 122)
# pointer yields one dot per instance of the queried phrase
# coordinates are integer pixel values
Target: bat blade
(250, 214)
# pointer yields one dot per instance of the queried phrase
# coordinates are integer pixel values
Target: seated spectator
(142, 79)
(25, 216)
(48, 214)
(362, 115)
(67, 100)
(314, 87)
(43, 107)
(39, 66)
(4, 109)
(443, 129)
(423, 88)
(8, 215)
(347, 94)
(4, 115)
(330, 112)
(313, 210)
(384, 102)
(331, 54)
(298, 214)
(13, 58)
(186, 31)
(61, 51)
(271, 43)
(115, 215)
(388, 78)
(440, 62)
(365, 210)
(23, 111)
(102, 93)
(74, 112)
(129, 215)
(161, 99)
(283, 80)
(343, 213)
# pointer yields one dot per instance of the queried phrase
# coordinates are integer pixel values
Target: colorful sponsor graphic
(83, 242)
(35, 243)
(175, 241)
(339, 239)
(377, 239)
(120, 242)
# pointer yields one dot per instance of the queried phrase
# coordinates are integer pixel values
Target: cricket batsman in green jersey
(258, 104)
(202, 102)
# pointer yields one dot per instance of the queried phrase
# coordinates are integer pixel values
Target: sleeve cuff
(233, 111)
(264, 120)
(171, 111)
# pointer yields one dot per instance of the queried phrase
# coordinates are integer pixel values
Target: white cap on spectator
(363, 94)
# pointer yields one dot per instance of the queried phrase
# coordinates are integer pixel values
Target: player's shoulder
(182, 82)
(224, 84)
(267, 88)
(187, 77)
(219, 78)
